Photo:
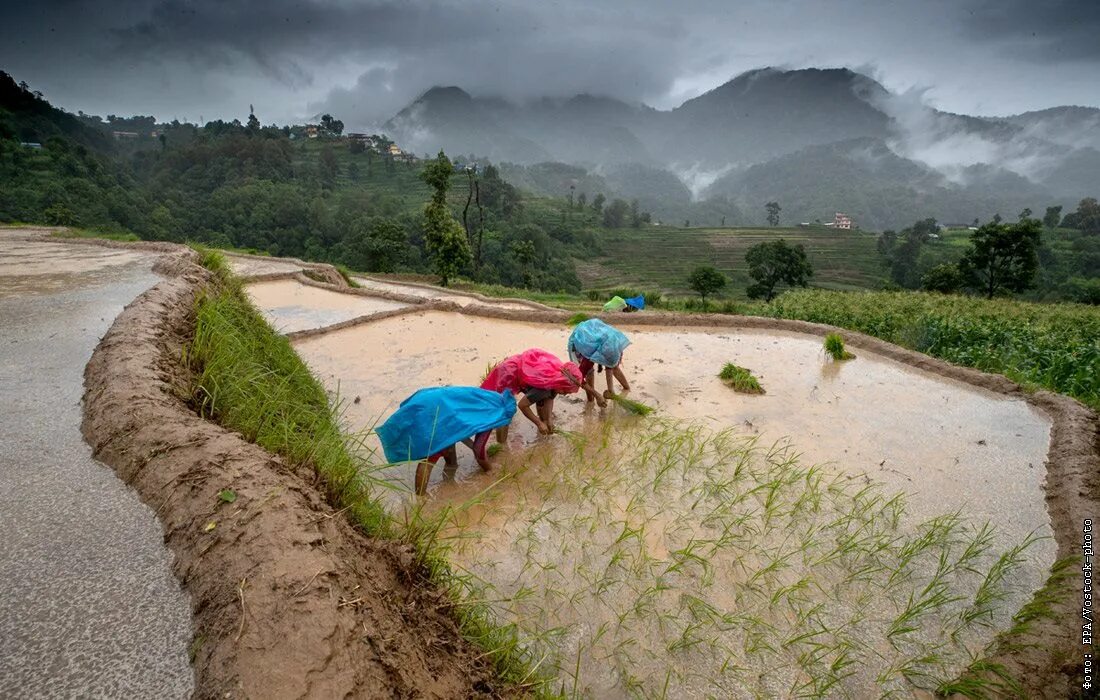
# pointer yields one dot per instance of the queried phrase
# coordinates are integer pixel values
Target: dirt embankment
(288, 598)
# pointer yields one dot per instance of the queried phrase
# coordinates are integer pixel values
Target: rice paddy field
(822, 538)
(662, 258)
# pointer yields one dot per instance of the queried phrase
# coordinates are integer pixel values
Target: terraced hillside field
(662, 258)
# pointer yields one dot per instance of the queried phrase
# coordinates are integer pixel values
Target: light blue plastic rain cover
(598, 342)
(434, 419)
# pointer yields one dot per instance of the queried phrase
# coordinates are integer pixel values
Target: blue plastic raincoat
(433, 419)
(598, 342)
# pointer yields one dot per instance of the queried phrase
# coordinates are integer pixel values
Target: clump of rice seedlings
(740, 379)
(488, 368)
(576, 318)
(636, 407)
(494, 449)
(834, 346)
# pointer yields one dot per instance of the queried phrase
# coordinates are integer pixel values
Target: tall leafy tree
(1002, 257)
(706, 280)
(443, 235)
(773, 209)
(776, 262)
(1053, 217)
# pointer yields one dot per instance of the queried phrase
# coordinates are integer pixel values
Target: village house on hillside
(840, 221)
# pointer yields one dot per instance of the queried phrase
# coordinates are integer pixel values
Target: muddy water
(426, 293)
(37, 267)
(945, 445)
(292, 306)
(89, 606)
(248, 267)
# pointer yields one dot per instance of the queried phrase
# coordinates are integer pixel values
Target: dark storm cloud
(1054, 31)
(364, 60)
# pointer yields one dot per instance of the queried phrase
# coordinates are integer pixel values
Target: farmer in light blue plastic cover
(432, 421)
(594, 343)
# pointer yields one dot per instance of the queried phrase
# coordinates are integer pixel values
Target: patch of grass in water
(834, 347)
(740, 379)
(576, 318)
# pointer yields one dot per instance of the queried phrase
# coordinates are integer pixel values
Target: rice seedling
(683, 558)
(740, 379)
(834, 347)
(636, 407)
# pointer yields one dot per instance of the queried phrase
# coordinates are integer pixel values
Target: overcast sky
(364, 60)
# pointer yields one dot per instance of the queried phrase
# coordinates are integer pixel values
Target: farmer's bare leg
(618, 372)
(423, 475)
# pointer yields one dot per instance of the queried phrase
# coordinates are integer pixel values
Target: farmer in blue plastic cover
(594, 343)
(430, 423)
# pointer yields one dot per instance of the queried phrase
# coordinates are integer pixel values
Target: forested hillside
(247, 186)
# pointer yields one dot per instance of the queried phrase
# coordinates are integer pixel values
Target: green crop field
(662, 258)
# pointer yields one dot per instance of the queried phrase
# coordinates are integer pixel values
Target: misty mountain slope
(766, 113)
(448, 118)
(865, 179)
(1070, 126)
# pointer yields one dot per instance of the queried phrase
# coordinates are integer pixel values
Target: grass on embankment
(248, 378)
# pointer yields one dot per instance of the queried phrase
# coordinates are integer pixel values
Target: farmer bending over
(429, 424)
(538, 377)
(594, 343)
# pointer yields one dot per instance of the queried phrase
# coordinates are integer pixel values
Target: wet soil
(291, 306)
(88, 605)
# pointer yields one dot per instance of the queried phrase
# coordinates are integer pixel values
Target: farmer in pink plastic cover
(537, 377)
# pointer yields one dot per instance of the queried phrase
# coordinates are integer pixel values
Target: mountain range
(815, 140)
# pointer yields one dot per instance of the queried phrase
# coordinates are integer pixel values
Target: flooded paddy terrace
(864, 527)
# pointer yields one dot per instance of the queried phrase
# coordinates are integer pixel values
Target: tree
(597, 203)
(945, 279)
(1025, 214)
(582, 201)
(616, 213)
(332, 126)
(1086, 218)
(443, 235)
(706, 280)
(1002, 257)
(635, 215)
(253, 122)
(773, 212)
(374, 245)
(1053, 216)
(776, 262)
(353, 171)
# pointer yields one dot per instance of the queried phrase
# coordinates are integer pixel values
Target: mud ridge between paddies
(1046, 658)
(288, 598)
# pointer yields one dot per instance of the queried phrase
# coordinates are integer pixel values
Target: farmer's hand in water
(544, 429)
(601, 402)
